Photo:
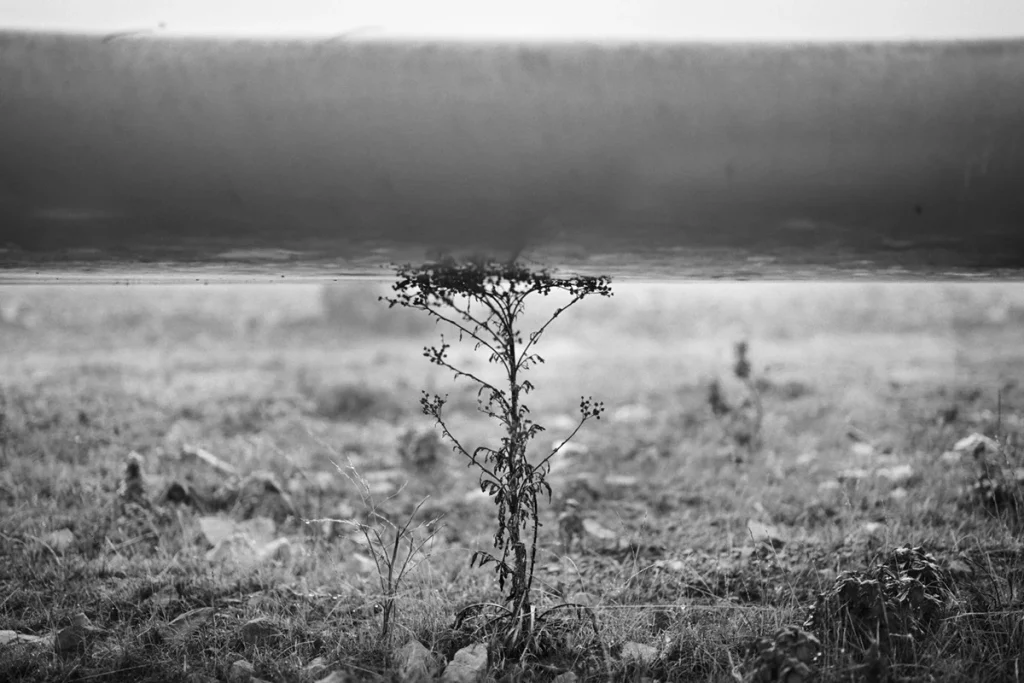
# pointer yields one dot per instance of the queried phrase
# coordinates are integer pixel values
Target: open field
(694, 545)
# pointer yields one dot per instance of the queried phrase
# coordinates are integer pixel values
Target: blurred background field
(338, 353)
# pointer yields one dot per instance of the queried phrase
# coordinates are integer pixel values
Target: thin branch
(564, 441)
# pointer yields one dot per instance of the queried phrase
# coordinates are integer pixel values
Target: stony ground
(187, 476)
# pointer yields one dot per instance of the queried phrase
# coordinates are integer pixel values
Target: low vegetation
(203, 484)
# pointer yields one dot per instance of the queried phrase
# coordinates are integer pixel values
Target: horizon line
(361, 35)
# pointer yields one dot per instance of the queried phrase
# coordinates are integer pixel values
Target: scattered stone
(360, 564)
(468, 666)
(384, 483)
(241, 672)
(566, 451)
(217, 528)
(316, 667)
(583, 486)
(645, 655)
(59, 541)
(335, 677)
(562, 422)
(805, 459)
(829, 486)
(621, 481)
(959, 568)
(421, 448)
(259, 631)
(476, 497)
(15, 638)
(278, 550)
(163, 598)
(852, 475)
(186, 624)
(416, 663)
(262, 496)
(765, 533)
(244, 543)
(76, 637)
(673, 566)
(598, 531)
(632, 413)
(339, 520)
(195, 454)
(325, 482)
(897, 474)
(200, 678)
(977, 445)
(898, 494)
(238, 548)
(581, 598)
(951, 458)
(862, 449)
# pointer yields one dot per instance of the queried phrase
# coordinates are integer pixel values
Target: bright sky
(535, 19)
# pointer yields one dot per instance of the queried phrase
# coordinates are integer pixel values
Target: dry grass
(277, 379)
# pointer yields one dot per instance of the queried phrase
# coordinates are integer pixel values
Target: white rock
(259, 631)
(278, 550)
(898, 494)
(238, 549)
(184, 625)
(216, 528)
(977, 442)
(862, 449)
(634, 412)
(416, 663)
(561, 422)
(621, 480)
(468, 666)
(897, 474)
(335, 677)
(765, 533)
(873, 528)
(853, 474)
(951, 458)
(241, 672)
(567, 677)
(805, 459)
(829, 485)
(568, 449)
(595, 529)
(193, 454)
(315, 667)
(581, 598)
(8, 637)
(673, 566)
(361, 564)
(59, 540)
(639, 653)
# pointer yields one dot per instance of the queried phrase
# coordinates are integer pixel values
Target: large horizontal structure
(141, 157)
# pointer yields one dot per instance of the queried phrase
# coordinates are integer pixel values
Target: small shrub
(900, 599)
(742, 422)
(350, 401)
(420, 449)
(790, 656)
(484, 301)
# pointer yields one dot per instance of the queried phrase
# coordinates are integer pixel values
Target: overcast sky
(536, 19)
